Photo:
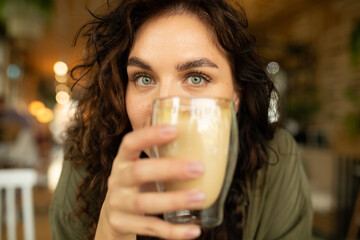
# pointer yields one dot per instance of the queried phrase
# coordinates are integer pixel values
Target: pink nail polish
(195, 169)
(196, 197)
(193, 232)
(167, 129)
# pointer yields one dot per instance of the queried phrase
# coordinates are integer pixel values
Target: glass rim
(196, 98)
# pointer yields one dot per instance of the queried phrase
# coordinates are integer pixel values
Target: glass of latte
(207, 132)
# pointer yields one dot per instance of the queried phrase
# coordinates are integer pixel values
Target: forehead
(176, 31)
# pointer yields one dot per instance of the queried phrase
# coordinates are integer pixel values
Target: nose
(169, 88)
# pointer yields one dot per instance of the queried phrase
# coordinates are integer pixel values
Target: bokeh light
(54, 170)
(60, 68)
(35, 106)
(45, 115)
(62, 87)
(13, 72)
(61, 78)
(62, 97)
(273, 68)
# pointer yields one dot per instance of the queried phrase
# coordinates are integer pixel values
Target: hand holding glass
(207, 132)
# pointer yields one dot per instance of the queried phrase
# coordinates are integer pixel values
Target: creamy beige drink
(203, 135)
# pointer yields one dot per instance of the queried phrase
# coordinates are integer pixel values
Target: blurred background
(313, 51)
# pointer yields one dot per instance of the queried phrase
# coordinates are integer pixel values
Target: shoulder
(283, 153)
(63, 224)
(279, 199)
(284, 172)
(283, 156)
(283, 143)
(71, 176)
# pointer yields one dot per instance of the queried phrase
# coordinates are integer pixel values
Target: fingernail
(167, 129)
(196, 197)
(195, 169)
(193, 232)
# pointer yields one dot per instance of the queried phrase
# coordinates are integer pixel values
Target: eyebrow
(202, 62)
(137, 62)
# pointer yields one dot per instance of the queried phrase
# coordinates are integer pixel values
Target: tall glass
(207, 132)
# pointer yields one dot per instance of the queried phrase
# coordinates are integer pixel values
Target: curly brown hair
(101, 120)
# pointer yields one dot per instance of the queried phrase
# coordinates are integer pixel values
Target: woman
(145, 49)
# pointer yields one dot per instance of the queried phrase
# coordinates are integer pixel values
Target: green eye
(146, 81)
(195, 80)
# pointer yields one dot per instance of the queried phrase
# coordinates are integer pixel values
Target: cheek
(236, 100)
(139, 112)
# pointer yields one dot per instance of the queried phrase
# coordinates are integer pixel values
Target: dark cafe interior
(312, 48)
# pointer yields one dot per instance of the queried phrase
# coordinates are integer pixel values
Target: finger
(152, 226)
(156, 202)
(134, 142)
(134, 173)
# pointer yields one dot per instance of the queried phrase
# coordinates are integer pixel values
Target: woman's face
(174, 55)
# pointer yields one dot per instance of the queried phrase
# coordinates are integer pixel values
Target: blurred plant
(355, 45)
(45, 91)
(301, 101)
(352, 118)
(352, 123)
(44, 5)
(25, 19)
(303, 105)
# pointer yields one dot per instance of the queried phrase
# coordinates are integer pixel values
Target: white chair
(10, 180)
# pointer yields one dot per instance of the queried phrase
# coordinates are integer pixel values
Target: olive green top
(279, 201)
